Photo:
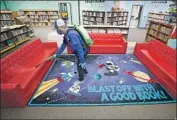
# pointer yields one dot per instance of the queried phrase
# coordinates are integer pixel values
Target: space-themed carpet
(112, 80)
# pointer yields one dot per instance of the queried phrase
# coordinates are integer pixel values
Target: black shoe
(85, 71)
(81, 79)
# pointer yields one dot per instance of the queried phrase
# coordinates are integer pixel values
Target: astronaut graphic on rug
(75, 42)
(112, 69)
(74, 90)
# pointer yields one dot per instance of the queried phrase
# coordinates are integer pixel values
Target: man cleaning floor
(76, 44)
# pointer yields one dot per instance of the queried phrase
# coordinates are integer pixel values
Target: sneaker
(85, 71)
(78, 82)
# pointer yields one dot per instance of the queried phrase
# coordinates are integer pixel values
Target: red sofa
(107, 43)
(160, 59)
(19, 76)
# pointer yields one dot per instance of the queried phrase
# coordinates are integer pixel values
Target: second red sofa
(107, 43)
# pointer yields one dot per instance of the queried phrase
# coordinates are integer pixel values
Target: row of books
(92, 23)
(153, 32)
(6, 16)
(116, 18)
(7, 23)
(163, 37)
(19, 31)
(119, 23)
(13, 41)
(89, 13)
(117, 14)
(5, 36)
(154, 26)
(165, 30)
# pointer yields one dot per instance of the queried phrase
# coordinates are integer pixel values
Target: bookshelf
(104, 18)
(117, 18)
(41, 17)
(21, 19)
(7, 18)
(12, 36)
(93, 17)
(160, 17)
(159, 31)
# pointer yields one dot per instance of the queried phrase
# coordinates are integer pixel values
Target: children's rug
(111, 80)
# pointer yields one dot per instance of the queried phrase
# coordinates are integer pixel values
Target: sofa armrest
(12, 95)
(140, 46)
(124, 42)
(49, 45)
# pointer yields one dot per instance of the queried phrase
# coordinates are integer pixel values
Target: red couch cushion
(16, 61)
(107, 42)
(29, 70)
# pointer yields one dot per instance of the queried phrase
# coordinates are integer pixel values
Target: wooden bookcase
(104, 18)
(41, 17)
(159, 31)
(7, 18)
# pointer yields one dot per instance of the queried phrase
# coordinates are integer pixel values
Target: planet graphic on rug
(141, 76)
(68, 76)
(96, 76)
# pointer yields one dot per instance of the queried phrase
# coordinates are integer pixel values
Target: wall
(53, 5)
(152, 7)
(2, 5)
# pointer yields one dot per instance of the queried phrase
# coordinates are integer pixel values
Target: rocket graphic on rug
(141, 76)
(46, 85)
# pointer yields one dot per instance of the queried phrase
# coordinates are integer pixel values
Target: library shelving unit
(117, 18)
(93, 17)
(160, 17)
(20, 19)
(7, 18)
(159, 31)
(41, 17)
(104, 18)
(12, 36)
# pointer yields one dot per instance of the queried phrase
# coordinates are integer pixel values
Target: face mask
(59, 32)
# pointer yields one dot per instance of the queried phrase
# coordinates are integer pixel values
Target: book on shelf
(94, 30)
(110, 30)
(101, 30)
